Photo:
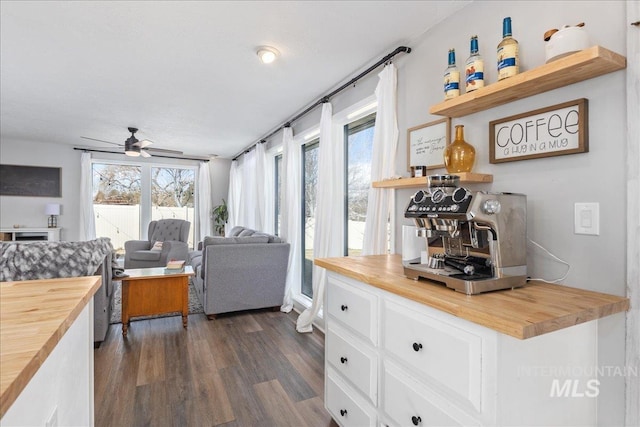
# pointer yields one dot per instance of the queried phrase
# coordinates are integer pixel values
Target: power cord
(557, 259)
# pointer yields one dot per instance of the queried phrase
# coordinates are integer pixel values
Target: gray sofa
(244, 271)
(49, 260)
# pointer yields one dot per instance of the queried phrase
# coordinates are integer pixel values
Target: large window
(127, 197)
(358, 137)
(116, 203)
(309, 186)
(172, 195)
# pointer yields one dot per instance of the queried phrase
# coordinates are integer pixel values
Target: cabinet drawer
(448, 355)
(354, 308)
(354, 360)
(343, 406)
(409, 403)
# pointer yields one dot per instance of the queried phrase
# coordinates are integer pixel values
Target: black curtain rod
(327, 97)
(153, 155)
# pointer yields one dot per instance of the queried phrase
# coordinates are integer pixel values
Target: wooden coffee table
(151, 291)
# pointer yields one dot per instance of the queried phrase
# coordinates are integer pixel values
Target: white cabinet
(391, 361)
(418, 341)
(25, 235)
(409, 402)
(355, 361)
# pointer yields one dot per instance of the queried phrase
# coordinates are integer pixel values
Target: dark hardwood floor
(247, 369)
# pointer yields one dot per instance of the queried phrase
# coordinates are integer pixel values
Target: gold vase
(459, 156)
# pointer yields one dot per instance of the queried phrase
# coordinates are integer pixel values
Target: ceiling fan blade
(143, 143)
(102, 140)
(164, 150)
(144, 153)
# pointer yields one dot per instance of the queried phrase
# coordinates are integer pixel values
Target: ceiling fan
(134, 147)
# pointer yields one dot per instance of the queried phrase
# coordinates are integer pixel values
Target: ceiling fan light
(267, 54)
(131, 149)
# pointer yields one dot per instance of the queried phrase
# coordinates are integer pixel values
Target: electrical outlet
(587, 218)
(53, 419)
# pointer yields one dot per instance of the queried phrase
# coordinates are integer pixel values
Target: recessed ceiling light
(267, 54)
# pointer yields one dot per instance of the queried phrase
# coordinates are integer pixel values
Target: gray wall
(29, 211)
(552, 185)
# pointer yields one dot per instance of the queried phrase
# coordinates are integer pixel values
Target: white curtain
(326, 238)
(260, 187)
(247, 212)
(385, 142)
(269, 195)
(233, 199)
(87, 218)
(204, 200)
(291, 222)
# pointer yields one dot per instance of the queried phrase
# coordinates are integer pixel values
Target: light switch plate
(587, 219)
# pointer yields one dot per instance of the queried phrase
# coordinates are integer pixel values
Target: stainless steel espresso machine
(476, 241)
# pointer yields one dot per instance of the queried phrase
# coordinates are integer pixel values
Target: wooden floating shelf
(584, 65)
(421, 181)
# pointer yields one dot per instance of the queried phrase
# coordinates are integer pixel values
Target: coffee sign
(553, 131)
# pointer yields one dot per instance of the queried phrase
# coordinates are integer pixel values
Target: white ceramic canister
(569, 39)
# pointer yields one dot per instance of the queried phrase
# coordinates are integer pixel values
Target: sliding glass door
(172, 195)
(116, 203)
(309, 181)
(126, 197)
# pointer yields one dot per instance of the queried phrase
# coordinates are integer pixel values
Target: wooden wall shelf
(421, 181)
(586, 64)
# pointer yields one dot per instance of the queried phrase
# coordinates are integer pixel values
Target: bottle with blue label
(451, 77)
(474, 68)
(508, 55)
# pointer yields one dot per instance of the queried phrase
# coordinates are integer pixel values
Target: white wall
(29, 211)
(552, 185)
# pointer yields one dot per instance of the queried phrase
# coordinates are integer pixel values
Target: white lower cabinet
(354, 360)
(391, 361)
(444, 354)
(408, 402)
(345, 405)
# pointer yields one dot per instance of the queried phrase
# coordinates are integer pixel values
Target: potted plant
(220, 216)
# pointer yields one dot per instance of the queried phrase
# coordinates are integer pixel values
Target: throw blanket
(48, 260)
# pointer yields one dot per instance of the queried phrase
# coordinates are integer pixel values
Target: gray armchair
(173, 233)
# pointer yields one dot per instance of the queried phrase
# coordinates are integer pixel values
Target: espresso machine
(475, 241)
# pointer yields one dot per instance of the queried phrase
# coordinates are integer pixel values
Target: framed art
(426, 144)
(551, 131)
(30, 181)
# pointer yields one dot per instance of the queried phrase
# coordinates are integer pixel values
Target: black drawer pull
(344, 307)
(417, 347)
(416, 420)
(343, 412)
(343, 360)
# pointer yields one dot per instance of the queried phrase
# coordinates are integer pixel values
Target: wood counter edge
(18, 384)
(497, 323)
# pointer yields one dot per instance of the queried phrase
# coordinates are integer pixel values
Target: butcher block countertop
(535, 309)
(34, 315)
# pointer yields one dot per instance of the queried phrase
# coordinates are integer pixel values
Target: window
(116, 203)
(358, 137)
(309, 185)
(172, 195)
(127, 197)
(278, 194)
